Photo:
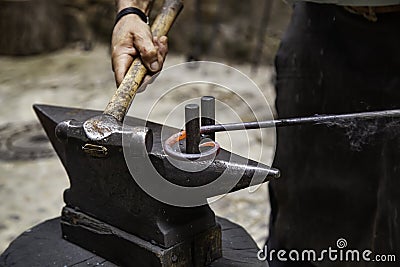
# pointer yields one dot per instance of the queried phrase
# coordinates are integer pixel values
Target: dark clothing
(337, 182)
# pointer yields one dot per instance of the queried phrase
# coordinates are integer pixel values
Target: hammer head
(101, 126)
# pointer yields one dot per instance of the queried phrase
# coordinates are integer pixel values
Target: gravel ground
(31, 177)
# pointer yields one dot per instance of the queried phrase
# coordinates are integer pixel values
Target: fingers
(131, 38)
(143, 41)
(162, 44)
(121, 60)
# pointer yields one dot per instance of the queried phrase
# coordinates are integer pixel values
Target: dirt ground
(32, 179)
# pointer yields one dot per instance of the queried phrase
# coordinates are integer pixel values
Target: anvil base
(129, 250)
(43, 246)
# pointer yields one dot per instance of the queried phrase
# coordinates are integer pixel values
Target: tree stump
(31, 26)
(43, 245)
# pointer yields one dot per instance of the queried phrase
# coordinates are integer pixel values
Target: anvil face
(103, 191)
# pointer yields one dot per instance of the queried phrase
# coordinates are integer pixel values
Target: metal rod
(192, 127)
(208, 113)
(317, 119)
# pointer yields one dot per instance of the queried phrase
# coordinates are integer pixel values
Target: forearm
(144, 5)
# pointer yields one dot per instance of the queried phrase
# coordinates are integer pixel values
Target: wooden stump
(43, 245)
(31, 26)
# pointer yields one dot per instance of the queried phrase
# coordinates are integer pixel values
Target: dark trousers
(338, 181)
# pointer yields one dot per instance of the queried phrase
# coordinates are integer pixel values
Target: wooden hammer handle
(123, 97)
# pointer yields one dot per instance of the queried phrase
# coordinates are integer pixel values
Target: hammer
(102, 126)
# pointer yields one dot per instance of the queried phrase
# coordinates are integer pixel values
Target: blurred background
(57, 52)
(234, 30)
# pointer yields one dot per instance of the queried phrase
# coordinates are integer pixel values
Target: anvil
(108, 213)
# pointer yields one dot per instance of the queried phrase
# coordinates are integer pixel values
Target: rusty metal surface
(100, 127)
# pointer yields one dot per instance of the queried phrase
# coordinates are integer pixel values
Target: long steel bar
(317, 119)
